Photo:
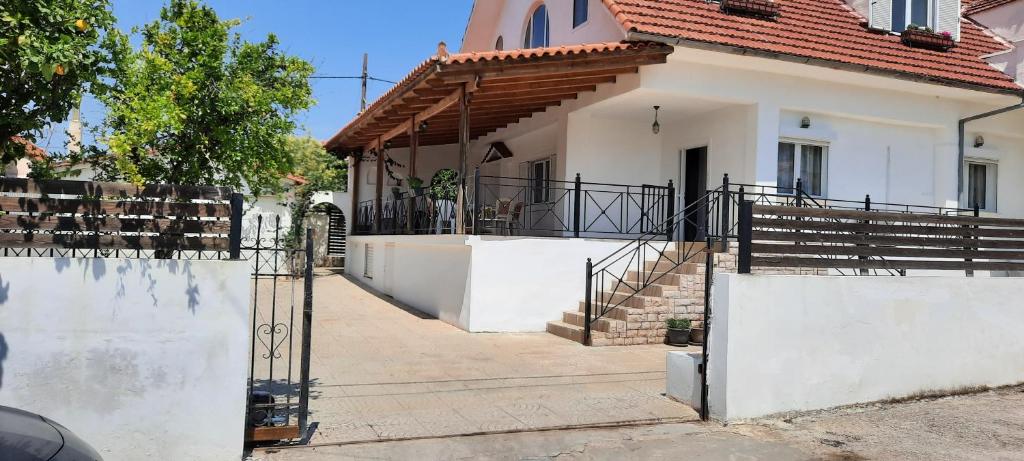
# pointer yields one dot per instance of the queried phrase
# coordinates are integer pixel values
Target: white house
(652, 103)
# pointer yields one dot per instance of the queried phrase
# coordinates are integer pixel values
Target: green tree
(321, 172)
(195, 104)
(48, 58)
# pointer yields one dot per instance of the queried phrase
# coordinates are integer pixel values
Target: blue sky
(331, 34)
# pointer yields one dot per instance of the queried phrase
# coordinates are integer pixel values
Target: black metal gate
(282, 278)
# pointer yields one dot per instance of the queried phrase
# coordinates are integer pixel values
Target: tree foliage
(321, 172)
(195, 104)
(48, 58)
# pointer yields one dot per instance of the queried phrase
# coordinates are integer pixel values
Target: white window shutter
(947, 17)
(880, 14)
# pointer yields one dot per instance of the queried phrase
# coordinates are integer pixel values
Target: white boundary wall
(480, 283)
(793, 343)
(143, 359)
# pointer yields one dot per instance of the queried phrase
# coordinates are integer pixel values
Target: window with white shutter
(947, 17)
(881, 14)
(895, 15)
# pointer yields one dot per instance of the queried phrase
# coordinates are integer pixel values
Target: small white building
(652, 103)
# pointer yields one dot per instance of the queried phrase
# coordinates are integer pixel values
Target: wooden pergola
(498, 88)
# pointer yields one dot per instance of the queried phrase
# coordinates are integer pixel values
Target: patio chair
(513, 220)
(502, 214)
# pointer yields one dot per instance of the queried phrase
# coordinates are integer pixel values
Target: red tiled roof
(32, 151)
(977, 6)
(825, 30)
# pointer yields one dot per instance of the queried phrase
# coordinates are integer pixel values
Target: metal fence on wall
(102, 219)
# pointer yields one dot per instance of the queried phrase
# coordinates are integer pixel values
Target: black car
(27, 436)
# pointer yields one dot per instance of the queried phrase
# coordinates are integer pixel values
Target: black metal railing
(714, 218)
(500, 205)
(543, 207)
(405, 213)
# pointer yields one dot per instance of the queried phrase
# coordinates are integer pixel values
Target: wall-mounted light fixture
(979, 141)
(656, 127)
(387, 145)
(805, 122)
(423, 126)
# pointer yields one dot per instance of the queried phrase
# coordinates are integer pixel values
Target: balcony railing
(511, 206)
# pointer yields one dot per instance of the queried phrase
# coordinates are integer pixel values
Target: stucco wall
(512, 17)
(143, 359)
(784, 343)
(480, 283)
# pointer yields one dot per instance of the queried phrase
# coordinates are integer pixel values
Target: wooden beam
(424, 114)
(460, 203)
(353, 187)
(488, 86)
(379, 197)
(826, 263)
(884, 251)
(889, 240)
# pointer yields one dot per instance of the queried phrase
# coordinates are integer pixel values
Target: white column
(764, 130)
(946, 167)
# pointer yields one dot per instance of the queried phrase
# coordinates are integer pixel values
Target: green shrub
(678, 324)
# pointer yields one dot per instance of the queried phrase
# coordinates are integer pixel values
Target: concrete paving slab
(384, 371)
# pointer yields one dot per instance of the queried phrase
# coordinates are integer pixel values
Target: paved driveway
(383, 371)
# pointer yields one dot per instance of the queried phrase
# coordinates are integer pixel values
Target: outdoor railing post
(867, 207)
(746, 234)
(669, 220)
(235, 237)
(799, 193)
(476, 202)
(588, 304)
(577, 192)
(726, 221)
(307, 335)
(977, 213)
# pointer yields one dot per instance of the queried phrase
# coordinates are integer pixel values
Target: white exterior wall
(513, 15)
(18, 169)
(479, 283)
(794, 343)
(143, 359)
(1007, 22)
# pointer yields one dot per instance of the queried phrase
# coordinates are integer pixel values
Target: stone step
(662, 278)
(627, 298)
(616, 313)
(665, 266)
(604, 324)
(575, 333)
(565, 330)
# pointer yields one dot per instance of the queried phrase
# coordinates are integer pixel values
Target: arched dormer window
(538, 32)
(499, 44)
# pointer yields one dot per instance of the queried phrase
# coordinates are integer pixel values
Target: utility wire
(325, 77)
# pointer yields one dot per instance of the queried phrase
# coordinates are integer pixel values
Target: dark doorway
(695, 174)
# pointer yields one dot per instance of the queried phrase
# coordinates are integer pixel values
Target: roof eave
(634, 35)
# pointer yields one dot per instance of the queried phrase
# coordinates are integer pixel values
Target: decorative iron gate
(282, 278)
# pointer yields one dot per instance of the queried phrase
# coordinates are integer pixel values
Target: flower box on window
(925, 38)
(762, 8)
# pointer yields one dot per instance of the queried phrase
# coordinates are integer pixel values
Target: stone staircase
(678, 292)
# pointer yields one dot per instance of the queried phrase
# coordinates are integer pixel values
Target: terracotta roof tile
(826, 30)
(32, 151)
(977, 6)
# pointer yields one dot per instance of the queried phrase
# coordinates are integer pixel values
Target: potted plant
(697, 333)
(925, 37)
(416, 184)
(678, 332)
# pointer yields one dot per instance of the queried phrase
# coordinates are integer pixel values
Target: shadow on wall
(5, 288)
(98, 268)
(3, 356)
